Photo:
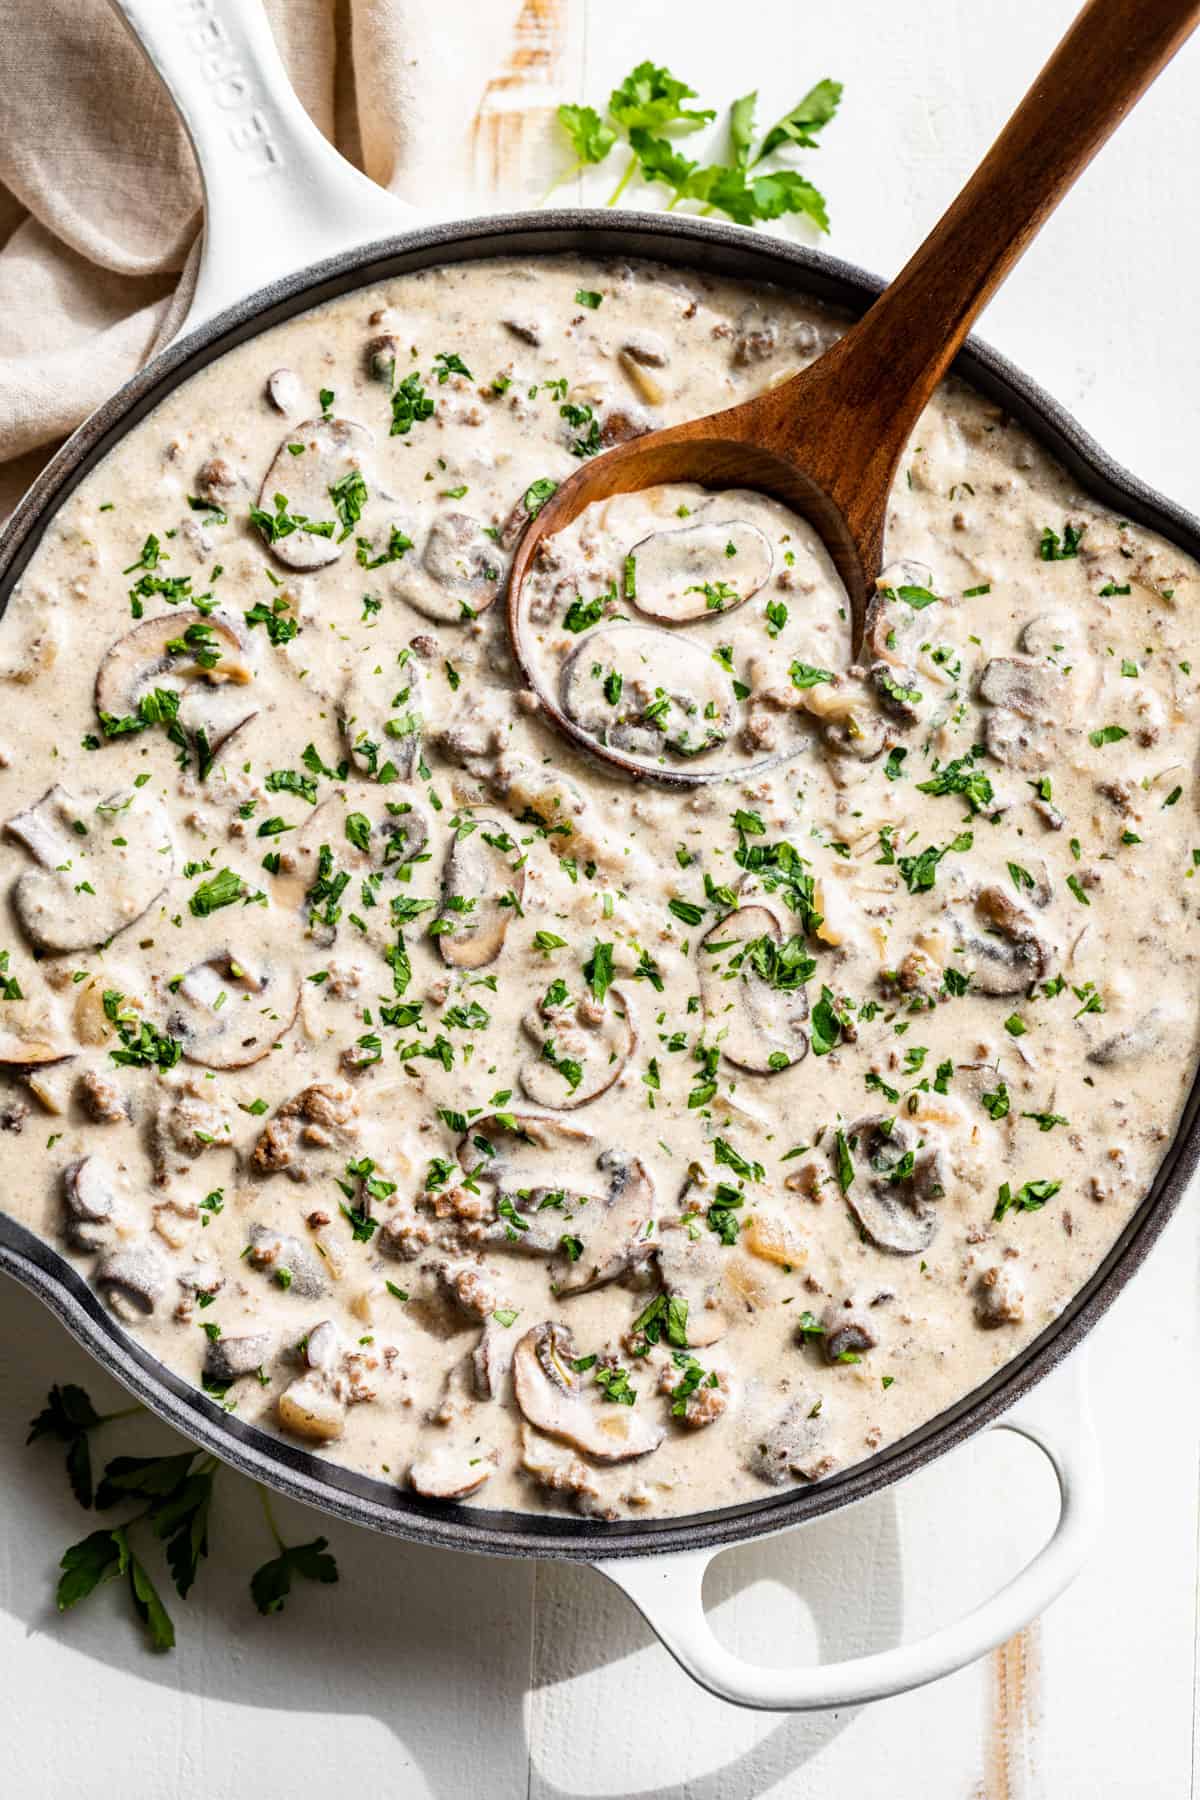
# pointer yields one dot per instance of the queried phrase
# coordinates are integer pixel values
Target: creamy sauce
(428, 1091)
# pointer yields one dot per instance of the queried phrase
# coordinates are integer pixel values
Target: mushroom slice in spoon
(551, 1396)
(895, 1184)
(584, 1048)
(96, 883)
(648, 692)
(200, 657)
(229, 1010)
(697, 571)
(300, 492)
(479, 888)
(752, 990)
(380, 717)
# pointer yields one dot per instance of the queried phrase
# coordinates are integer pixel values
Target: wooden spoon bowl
(829, 441)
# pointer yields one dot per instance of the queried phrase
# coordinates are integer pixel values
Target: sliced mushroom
(287, 1261)
(1012, 956)
(96, 883)
(451, 1460)
(478, 889)
(647, 386)
(540, 1174)
(208, 672)
(333, 450)
(1137, 1040)
(691, 1270)
(754, 1005)
(894, 1185)
(379, 357)
(551, 1396)
(491, 1358)
(794, 1445)
(17, 1052)
(448, 1471)
(90, 1198)
(132, 1280)
(401, 836)
(903, 614)
(529, 327)
(848, 1334)
(1032, 689)
(283, 390)
(616, 1231)
(323, 1347)
(380, 716)
(230, 1010)
(584, 1048)
(459, 575)
(536, 1170)
(228, 1359)
(697, 571)
(647, 691)
(1052, 634)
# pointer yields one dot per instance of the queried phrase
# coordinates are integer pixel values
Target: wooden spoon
(828, 442)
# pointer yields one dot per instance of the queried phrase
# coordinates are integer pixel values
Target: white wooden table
(429, 1674)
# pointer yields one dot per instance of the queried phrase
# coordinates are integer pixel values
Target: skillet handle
(667, 1590)
(277, 195)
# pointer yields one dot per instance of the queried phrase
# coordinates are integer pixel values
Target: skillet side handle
(667, 1590)
(277, 195)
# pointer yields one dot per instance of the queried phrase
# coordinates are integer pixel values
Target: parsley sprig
(172, 1496)
(651, 101)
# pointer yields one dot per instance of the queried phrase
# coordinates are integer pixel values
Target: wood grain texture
(426, 1675)
(518, 103)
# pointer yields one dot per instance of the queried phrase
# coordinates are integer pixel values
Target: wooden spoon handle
(874, 383)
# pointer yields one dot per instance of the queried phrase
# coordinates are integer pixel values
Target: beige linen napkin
(99, 198)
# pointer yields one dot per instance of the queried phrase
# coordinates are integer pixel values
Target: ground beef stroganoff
(525, 1133)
